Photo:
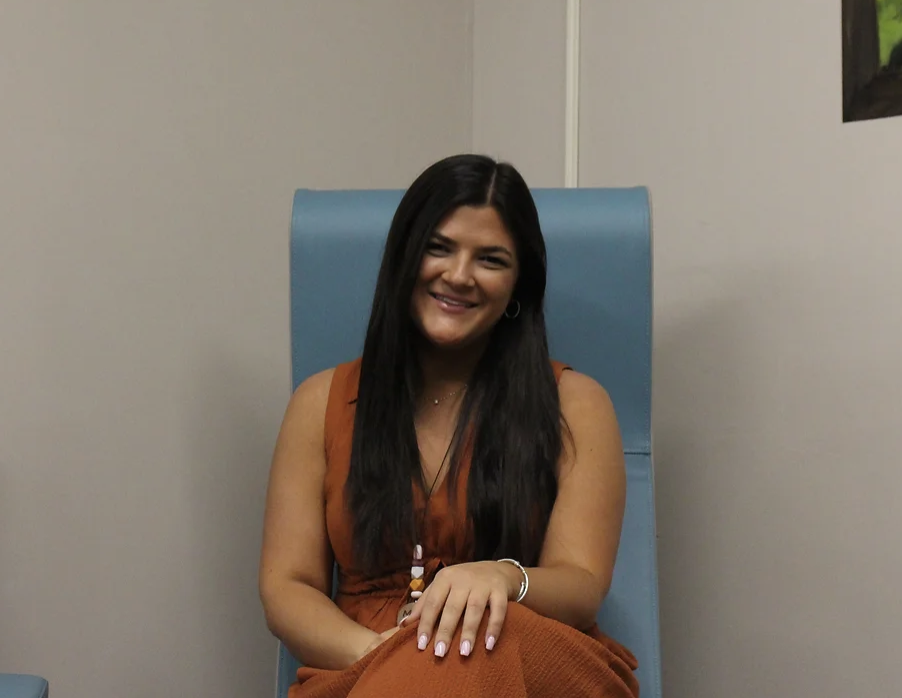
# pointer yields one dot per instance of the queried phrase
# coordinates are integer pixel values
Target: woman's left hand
(464, 590)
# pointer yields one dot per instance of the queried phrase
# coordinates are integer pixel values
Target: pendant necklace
(449, 395)
(417, 565)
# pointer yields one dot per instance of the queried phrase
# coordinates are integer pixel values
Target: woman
(470, 488)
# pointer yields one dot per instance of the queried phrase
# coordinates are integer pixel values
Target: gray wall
(518, 85)
(149, 154)
(777, 387)
(777, 390)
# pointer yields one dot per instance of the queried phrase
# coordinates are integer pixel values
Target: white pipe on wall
(571, 110)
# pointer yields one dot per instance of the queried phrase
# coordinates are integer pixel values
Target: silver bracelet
(524, 585)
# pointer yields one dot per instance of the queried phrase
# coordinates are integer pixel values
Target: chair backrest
(599, 313)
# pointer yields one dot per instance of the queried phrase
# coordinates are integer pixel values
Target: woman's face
(466, 278)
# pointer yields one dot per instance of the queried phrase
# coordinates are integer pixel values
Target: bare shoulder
(315, 388)
(311, 396)
(582, 395)
(304, 420)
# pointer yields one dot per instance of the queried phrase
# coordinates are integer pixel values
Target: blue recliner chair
(599, 313)
(23, 686)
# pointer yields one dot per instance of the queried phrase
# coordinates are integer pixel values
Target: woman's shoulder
(321, 400)
(580, 391)
(320, 386)
(559, 367)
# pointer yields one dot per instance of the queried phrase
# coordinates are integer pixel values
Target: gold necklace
(437, 400)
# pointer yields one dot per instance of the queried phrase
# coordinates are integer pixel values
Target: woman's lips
(452, 305)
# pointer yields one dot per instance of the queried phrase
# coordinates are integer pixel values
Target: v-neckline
(427, 497)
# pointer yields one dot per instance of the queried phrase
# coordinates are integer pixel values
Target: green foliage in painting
(889, 22)
(892, 6)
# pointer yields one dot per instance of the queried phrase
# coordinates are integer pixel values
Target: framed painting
(871, 59)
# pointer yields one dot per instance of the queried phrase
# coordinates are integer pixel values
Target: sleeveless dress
(535, 655)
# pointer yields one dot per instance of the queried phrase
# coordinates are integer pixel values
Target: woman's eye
(436, 247)
(494, 261)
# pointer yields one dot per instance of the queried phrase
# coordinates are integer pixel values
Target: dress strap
(559, 367)
(342, 393)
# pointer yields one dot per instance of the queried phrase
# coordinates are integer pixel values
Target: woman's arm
(296, 561)
(577, 561)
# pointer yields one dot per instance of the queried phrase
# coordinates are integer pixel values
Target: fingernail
(422, 642)
(490, 644)
(440, 649)
(465, 648)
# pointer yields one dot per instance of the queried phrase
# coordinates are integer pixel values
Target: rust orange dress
(535, 656)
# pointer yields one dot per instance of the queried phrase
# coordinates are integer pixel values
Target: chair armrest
(23, 686)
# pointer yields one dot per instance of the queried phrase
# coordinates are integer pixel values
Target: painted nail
(490, 644)
(440, 649)
(465, 648)
(422, 642)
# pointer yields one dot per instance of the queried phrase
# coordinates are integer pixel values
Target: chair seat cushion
(23, 686)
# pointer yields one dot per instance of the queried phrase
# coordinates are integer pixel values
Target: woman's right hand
(378, 640)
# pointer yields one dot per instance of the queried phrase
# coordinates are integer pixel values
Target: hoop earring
(507, 312)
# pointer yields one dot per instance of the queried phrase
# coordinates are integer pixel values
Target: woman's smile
(467, 278)
(453, 304)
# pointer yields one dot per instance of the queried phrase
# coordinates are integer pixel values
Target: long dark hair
(510, 412)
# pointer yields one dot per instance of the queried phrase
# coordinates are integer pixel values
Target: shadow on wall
(9, 577)
(21, 559)
(712, 409)
(233, 418)
(691, 353)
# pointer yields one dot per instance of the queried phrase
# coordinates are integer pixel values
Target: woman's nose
(458, 272)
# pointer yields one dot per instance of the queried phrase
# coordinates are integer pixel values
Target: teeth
(449, 301)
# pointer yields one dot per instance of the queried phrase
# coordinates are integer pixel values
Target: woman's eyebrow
(495, 249)
(490, 249)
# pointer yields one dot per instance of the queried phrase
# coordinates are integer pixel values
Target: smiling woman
(450, 472)
(466, 279)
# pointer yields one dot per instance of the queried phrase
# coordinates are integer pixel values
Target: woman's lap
(534, 656)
